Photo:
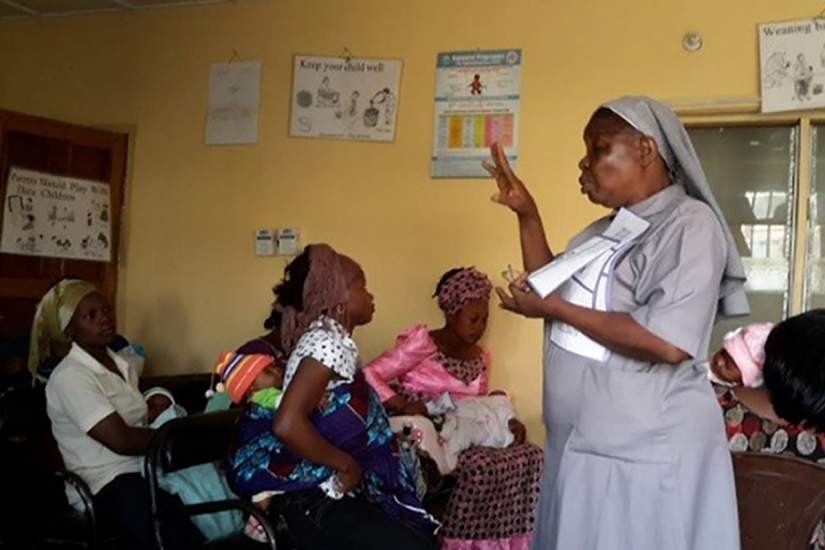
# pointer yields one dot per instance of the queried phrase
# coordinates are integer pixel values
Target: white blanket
(477, 422)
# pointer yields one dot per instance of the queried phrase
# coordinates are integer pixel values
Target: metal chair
(33, 471)
(189, 441)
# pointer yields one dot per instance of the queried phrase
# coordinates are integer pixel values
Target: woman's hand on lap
(415, 408)
(395, 404)
(519, 431)
(349, 475)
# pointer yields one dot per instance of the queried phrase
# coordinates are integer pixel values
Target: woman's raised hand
(512, 193)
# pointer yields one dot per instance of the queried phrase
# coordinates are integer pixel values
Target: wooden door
(66, 150)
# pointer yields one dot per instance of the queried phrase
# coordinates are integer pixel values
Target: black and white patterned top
(329, 343)
(466, 370)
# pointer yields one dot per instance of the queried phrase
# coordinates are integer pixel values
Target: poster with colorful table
(476, 104)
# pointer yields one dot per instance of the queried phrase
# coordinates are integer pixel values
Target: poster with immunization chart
(476, 104)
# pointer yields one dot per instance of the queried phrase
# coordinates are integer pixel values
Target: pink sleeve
(411, 348)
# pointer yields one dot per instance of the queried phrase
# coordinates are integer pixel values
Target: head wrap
(326, 286)
(52, 316)
(657, 121)
(466, 286)
(746, 346)
(238, 372)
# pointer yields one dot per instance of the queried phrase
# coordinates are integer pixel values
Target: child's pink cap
(746, 346)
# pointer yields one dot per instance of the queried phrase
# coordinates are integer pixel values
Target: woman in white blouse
(98, 416)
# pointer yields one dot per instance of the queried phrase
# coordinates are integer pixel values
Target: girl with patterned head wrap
(327, 450)
(427, 363)
(446, 371)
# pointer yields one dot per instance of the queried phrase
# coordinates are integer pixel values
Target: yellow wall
(190, 283)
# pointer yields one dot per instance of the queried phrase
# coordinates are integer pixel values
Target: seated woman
(500, 483)
(98, 416)
(269, 343)
(786, 415)
(327, 449)
(790, 357)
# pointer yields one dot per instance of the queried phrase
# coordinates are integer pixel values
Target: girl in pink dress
(492, 505)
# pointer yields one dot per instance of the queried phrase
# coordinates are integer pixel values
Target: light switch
(287, 240)
(264, 242)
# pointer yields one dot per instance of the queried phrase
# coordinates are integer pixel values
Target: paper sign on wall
(57, 216)
(792, 65)
(337, 98)
(234, 101)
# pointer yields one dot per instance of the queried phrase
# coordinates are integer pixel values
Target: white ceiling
(14, 9)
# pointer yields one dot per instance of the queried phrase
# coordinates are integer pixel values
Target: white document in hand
(625, 227)
(588, 287)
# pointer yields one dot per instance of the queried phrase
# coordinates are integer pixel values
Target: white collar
(84, 358)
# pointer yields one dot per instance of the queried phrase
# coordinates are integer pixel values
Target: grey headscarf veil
(656, 120)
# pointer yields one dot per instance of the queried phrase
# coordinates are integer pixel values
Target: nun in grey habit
(636, 456)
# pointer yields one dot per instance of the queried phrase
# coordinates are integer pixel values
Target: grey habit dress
(636, 455)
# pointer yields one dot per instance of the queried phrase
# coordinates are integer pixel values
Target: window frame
(803, 178)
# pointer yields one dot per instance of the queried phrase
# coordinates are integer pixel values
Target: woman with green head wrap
(49, 342)
(52, 317)
(98, 415)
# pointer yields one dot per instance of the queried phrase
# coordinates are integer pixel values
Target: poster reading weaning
(62, 217)
(792, 65)
(476, 104)
(337, 98)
